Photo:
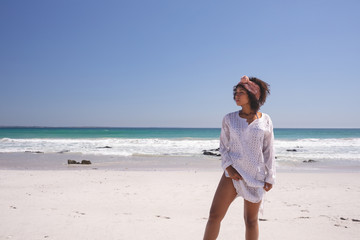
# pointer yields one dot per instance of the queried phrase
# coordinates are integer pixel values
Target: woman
(247, 155)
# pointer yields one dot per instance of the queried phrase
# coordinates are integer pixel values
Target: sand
(159, 202)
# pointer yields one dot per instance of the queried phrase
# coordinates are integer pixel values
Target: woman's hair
(264, 92)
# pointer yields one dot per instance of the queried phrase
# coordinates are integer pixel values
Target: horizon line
(169, 127)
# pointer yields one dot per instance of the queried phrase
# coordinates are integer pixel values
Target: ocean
(291, 145)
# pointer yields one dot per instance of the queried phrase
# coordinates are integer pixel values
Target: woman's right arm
(224, 144)
(226, 162)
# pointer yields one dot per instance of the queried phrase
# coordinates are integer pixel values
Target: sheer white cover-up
(249, 149)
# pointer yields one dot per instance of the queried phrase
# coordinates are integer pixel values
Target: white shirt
(248, 148)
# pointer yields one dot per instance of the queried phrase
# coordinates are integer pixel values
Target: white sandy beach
(90, 203)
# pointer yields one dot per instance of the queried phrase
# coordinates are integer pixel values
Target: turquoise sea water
(140, 133)
(169, 133)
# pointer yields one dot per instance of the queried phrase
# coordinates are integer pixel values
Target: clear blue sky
(174, 63)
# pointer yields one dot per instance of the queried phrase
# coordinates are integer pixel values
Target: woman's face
(241, 97)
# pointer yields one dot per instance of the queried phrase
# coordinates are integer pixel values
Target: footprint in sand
(338, 225)
(78, 213)
(353, 219)
(165, 217)
(291, 204)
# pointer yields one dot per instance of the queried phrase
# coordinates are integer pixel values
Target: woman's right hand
(233, 174)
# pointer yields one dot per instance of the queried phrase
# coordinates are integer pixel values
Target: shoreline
(58, 161)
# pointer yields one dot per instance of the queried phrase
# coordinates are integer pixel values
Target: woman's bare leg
(251, 211)
(224, 196)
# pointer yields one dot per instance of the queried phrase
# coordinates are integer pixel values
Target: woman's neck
(246, 110)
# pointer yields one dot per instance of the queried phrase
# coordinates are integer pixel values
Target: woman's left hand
(267, 186)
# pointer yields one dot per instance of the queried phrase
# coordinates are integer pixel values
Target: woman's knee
(251, 211)
(216, 214)
(251, 221)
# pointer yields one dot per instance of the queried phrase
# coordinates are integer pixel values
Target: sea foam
(111, 146)
(286, 150)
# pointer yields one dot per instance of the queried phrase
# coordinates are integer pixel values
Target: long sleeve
(224, 145)
(269, 155)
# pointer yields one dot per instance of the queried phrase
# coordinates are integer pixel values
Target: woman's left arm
(269, 155)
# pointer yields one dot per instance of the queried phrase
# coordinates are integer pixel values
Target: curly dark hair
(264, 92)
